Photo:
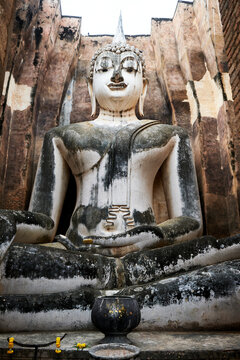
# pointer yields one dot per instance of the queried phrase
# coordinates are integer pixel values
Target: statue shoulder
(60, 131)
(165, 131)
(71, 131)
(80, 136)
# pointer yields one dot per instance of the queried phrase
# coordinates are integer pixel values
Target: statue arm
(51, 182)
(181, 192)
(39, 224)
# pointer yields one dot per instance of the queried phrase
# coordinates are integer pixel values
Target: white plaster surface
(193, 313)
(76, 319)
(19, 96)
(6, 78)
(171, 183)
(209, 94)
(60, 185)
(42, 285)
(227, 86)
(30, 234)
(143, 168)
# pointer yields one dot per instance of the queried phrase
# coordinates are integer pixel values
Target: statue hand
(139, 238)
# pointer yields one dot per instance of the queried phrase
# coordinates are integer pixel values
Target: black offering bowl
(116, 316)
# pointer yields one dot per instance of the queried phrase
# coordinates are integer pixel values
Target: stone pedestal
(153, 345)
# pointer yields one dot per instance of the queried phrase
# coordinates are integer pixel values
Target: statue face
(117, 80)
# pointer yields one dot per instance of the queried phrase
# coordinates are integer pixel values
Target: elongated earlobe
(93, 99)
(142, 97)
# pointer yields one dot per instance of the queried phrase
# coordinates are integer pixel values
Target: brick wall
(230, 15)
(7, 9)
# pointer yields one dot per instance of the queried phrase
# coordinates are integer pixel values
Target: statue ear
(93, 98)
(142, 97)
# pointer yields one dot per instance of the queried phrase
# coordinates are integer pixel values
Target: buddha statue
(113, 243)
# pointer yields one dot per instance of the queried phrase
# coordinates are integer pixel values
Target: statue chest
(119, 152)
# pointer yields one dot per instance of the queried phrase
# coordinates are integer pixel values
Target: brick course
(230, 15)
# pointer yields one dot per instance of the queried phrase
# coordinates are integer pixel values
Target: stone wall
(7, 10)
(45, 86)
(41, 54)
(230, 17)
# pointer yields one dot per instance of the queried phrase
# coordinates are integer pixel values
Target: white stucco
(42, 285)
(18, 96)
(5, 83)
(209, 95)
(30, 234)
(192, 312)
(75, 319)
(172, 186)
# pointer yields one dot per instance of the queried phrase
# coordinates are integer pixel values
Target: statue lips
(117, 86)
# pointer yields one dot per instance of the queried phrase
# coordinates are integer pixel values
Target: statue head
(117, 76)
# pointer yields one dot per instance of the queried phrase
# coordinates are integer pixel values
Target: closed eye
(130, 69)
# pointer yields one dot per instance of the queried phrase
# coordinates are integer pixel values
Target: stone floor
(153, 345)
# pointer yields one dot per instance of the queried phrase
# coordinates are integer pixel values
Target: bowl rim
(132, 348)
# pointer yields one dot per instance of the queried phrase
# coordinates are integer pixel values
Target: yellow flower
(58, 345)
(10, 345)
(80, 346)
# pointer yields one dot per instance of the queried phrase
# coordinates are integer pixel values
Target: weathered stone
(7, 10)
(189, 86)
(218, 345)
(191, 58)
(169, 74)
(180, 302)
(186, 38)
(37, 30)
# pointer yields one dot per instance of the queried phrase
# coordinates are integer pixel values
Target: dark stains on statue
(81, 300)
(233, 155)
(144, 217)
(125, 142)
(56, 264)
(210, 282)
(192, 84)
(83, 136)
(67, 33)
(38, 36)
(219, 82)
(41, 5)
(157, 264)
(48, 264)
(18, 25)
(32, 95)
(36, 58)
(90, 216)
(29, 16)
(205, 285)
(179, 226)
(186, 177)
(42, 201)
(118, 157)
(154, 136)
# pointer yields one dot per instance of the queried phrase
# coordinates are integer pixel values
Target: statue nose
(117, 76)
